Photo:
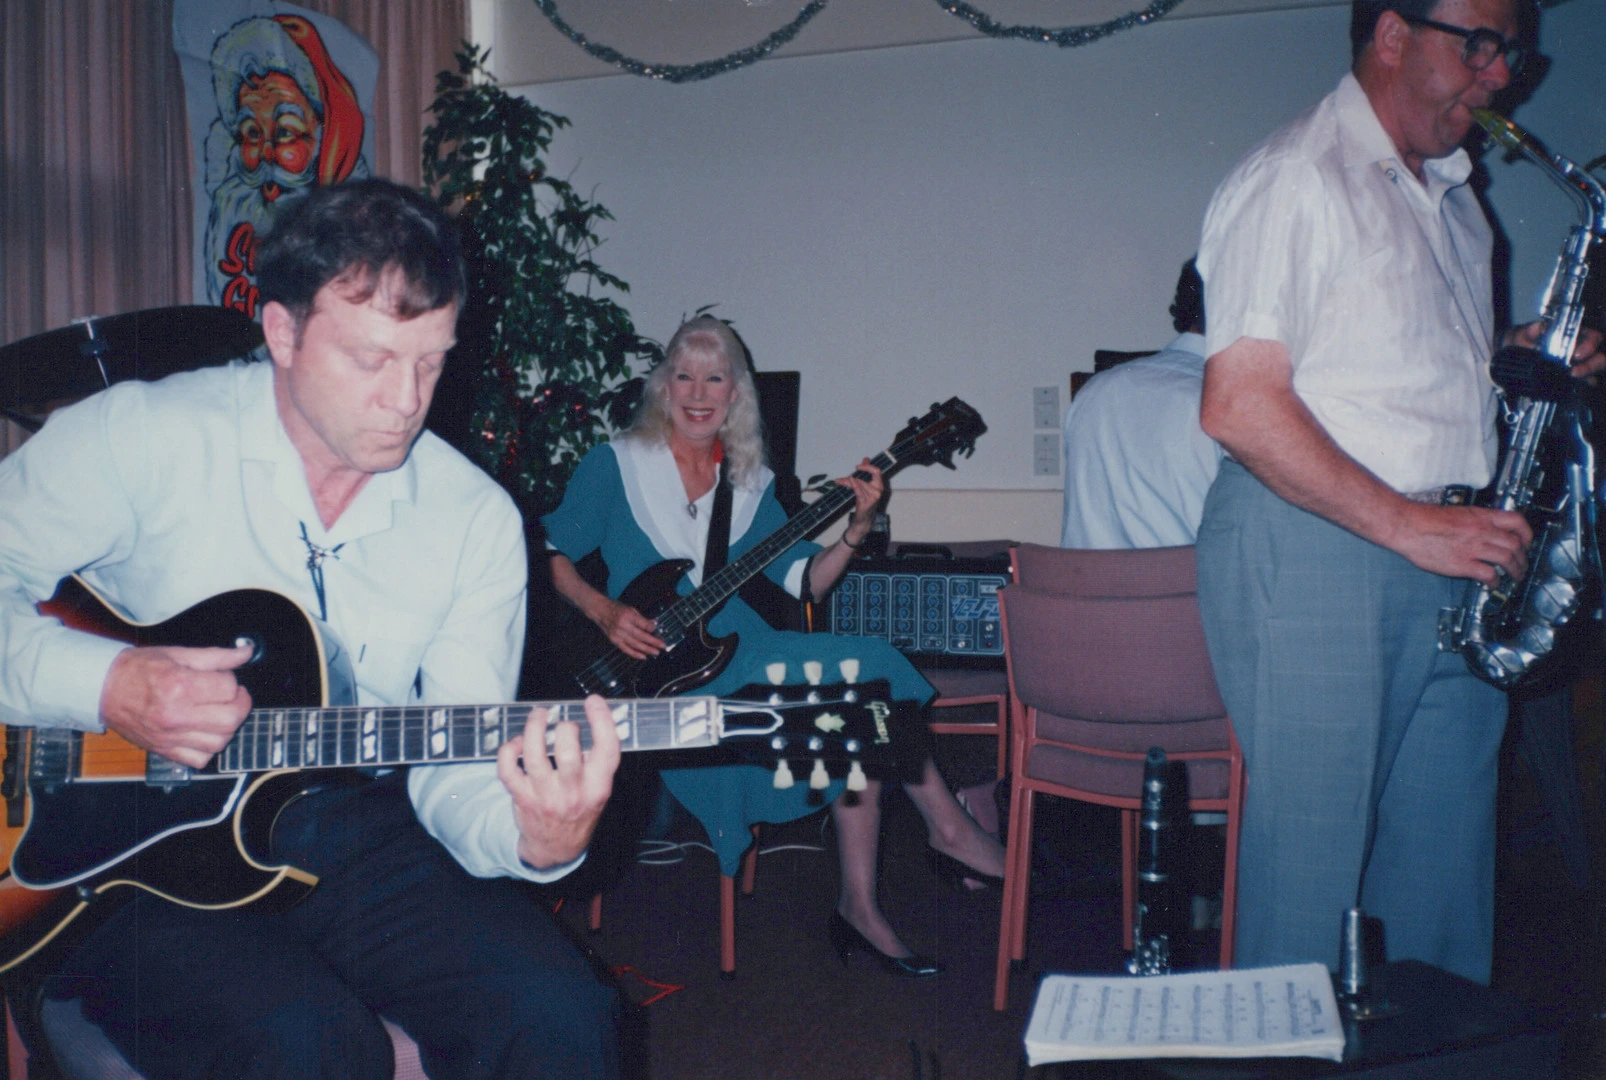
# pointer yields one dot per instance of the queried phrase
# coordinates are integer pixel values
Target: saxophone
(1547, 470)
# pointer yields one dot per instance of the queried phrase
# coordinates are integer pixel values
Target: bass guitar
(92, 816)
(691, 658)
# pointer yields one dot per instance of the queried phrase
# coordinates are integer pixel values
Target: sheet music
(1285, 1011)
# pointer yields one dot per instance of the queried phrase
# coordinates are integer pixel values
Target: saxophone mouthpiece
(1500, 129)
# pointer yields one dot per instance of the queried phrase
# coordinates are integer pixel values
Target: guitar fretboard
(675, 622)
(321, 738)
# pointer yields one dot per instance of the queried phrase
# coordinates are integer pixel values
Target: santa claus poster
(279, 99)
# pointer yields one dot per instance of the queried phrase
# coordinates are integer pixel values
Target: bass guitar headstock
(804, 728)
(950, 428)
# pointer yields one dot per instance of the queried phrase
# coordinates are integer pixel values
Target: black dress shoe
(847, 940)
(948, 867)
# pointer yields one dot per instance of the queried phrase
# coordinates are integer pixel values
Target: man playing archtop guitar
(312, 476)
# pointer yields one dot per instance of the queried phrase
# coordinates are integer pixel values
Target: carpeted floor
(793, 1011)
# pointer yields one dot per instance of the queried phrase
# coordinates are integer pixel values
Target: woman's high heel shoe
(958, 873)
(847, 940)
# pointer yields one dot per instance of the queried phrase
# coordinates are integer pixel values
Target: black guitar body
(695, 660)
(201, 841)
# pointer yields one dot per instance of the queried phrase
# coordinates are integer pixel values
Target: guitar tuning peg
(818, 778)
(783, 775)
(850, 670)
(813, 671)
(856, 780)
(776, 673)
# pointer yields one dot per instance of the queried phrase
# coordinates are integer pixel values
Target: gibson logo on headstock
(879, 711)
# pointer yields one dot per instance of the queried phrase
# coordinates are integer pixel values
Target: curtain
(95, 195)
(94, 199)
(414, 40)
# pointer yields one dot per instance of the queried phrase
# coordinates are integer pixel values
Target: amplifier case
(941, 612)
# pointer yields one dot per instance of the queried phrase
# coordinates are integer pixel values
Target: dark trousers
(474, 970)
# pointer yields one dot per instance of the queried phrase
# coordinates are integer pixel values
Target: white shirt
(163, 494)
(1137, 464)
(1378, 284)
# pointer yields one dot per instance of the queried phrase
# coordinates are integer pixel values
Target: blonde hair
(743, 430)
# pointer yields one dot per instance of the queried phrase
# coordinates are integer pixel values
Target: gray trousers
(1372, 757)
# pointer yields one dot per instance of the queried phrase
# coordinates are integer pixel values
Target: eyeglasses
(1481, 45)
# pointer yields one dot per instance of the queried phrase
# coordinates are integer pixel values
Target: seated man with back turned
(1137, 465)
(312, 476)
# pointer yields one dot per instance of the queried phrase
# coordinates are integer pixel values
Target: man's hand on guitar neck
(557, 802)
(183, 704)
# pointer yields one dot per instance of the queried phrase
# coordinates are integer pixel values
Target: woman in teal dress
(648, 496)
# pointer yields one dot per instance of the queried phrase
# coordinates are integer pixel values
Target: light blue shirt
(163, 494)
(1137, 464)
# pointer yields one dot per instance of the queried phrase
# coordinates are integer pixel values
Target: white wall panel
(975, 217)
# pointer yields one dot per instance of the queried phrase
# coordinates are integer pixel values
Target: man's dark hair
(1363, 16)
(356, 233)
(1187, 310)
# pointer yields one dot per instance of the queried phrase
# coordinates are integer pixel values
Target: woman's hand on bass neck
(867, 495)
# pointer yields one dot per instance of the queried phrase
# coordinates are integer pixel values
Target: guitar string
(466, 723)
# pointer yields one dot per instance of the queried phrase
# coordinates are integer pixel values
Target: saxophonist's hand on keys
(1464, 541)
(1588, 359)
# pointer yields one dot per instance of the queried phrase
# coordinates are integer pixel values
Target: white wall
(974, 218)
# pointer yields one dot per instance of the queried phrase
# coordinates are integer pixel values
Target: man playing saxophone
(1347, 275)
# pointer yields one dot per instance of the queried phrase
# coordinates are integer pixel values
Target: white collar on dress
(657, 499)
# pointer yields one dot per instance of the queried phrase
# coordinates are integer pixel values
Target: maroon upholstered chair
(956, 687)
(1106, 659)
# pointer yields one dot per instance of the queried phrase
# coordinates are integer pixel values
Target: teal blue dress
(626, 499)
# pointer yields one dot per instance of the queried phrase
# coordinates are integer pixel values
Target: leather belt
(1449, 495)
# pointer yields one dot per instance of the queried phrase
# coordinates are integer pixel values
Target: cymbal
(60, 365)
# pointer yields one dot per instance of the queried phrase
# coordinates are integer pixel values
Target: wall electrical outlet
(1046, 407)
(1046, 455)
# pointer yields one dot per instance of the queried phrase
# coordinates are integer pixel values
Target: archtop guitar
(92, 816)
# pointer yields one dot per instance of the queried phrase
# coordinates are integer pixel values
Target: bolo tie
(316, 556)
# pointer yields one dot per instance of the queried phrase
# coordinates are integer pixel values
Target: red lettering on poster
(239, 261)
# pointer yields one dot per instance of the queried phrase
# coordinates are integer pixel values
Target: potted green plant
(543, 370)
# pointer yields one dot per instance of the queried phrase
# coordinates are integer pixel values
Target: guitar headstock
(933, 439)
(814, 724)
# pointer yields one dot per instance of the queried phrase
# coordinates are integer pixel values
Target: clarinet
(1505, 629)
(1160, 906)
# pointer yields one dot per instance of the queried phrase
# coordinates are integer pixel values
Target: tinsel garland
(1066, 37)
(679, 73)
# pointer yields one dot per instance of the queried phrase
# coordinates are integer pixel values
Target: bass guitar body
(695, 660)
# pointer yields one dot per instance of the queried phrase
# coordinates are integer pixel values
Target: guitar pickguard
(79, 830)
